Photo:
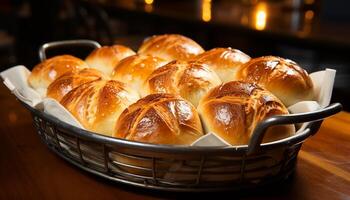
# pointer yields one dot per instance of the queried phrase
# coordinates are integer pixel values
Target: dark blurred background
(314, 33)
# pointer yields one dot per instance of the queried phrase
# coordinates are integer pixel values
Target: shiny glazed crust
(98, 104)
(232, 110)
(135, 69)
(107, 57)
(283, 77)
(189, 79)
(44, 73)
(170, 47)
(160, 119)
(224, 61)
(70, 80)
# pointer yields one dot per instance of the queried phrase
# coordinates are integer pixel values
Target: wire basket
(179, 168)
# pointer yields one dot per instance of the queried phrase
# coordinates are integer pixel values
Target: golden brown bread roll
(224, 61)
(134, 70)
(70, 80)
(107, 57)
(98, 104)
(160, 119)
(189, 79)
(44, 73)
(170, 47)
(283, 77)
(232, 110)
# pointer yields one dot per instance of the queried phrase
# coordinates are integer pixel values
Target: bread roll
(107, 57)
(171, 47)
(224, 61)
(189, 79)
(283, 77)
(44, 73)
(98, 104)
(232, 110)
(160, 119)
(70, 80)
(134, 70)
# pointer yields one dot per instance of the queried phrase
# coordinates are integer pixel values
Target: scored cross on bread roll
(135, 69)
(170, 47)
(44, 73)
(232, 110)
(283, 77)
(98, 104)
(224, 61)
(160, 119)
(107, 57)
(70, 80)
(189, 79)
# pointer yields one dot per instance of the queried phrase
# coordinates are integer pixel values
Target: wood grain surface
(29, 170)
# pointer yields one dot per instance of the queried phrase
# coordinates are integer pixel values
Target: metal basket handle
(317, 116)
(50, 45)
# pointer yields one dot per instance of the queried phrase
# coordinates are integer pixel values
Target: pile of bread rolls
(173, 92)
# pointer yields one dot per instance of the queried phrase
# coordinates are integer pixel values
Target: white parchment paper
(16, 80)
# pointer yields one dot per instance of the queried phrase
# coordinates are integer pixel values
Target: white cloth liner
(15, 79)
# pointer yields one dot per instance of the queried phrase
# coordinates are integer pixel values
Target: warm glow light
(260, 20)
(309, 15)
(148, 2)
(148, 7)
(206, 10)
(260, 16)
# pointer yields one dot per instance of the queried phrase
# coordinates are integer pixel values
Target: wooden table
(29, 170)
